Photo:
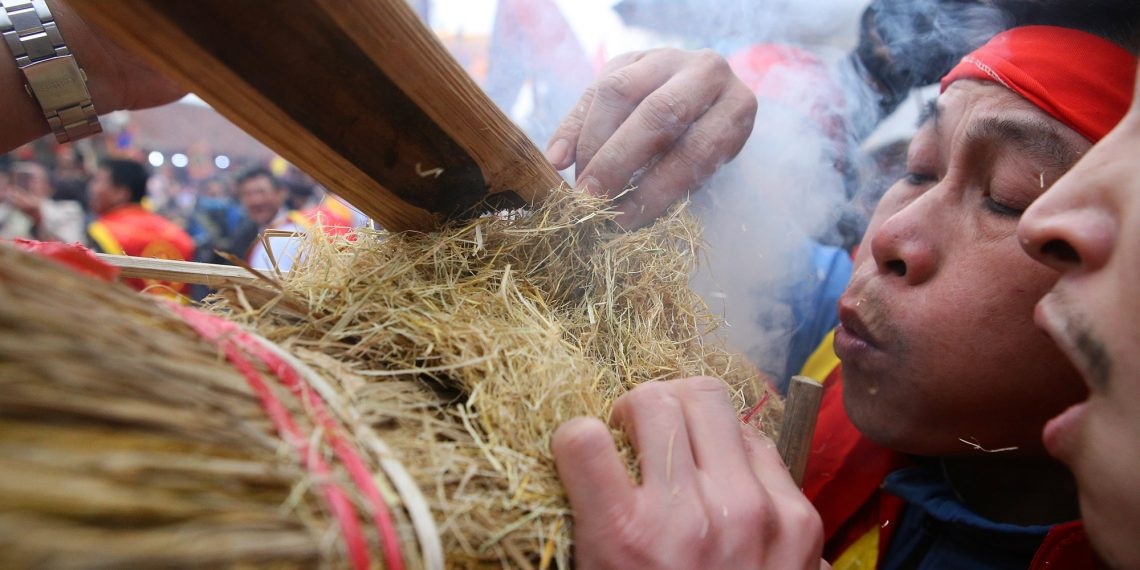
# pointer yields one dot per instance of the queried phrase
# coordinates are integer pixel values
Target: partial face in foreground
(1088, 227)
(937, 336)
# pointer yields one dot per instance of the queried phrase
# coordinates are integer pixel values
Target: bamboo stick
(209, 274)
(800, 411)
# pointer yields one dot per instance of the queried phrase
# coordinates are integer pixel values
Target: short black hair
(257, 172)
(129, 174)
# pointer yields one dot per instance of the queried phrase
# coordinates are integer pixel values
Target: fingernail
(556, 153)
(591, 186)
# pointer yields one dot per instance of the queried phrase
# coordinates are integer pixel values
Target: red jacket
(131, 230)
(843, 478)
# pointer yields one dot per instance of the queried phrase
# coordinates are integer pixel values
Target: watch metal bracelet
(54, 78)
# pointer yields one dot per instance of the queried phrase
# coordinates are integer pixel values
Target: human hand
(662, 119)
(714, 492)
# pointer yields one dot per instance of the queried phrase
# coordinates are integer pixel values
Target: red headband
(1080, 79)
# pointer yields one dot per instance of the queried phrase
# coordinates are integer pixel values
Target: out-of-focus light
(155, 158)
(179, 160)
(222, 161)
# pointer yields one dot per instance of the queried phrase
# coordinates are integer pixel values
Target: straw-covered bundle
(129, 440)
(471, 345)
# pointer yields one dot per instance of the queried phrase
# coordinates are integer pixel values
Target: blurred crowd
(118, 204)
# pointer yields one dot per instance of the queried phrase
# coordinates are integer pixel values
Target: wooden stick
(209, 274)
(358, 93)
(800, 411)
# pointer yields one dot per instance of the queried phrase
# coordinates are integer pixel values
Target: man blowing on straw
(938, 346)
(945, 379)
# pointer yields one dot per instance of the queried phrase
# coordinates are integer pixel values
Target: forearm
(23, 117)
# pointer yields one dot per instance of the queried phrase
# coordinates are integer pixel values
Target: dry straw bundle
(469, 346)
(462, 350)
(128, 441)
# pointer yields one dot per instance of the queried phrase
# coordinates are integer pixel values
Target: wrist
(69, 109)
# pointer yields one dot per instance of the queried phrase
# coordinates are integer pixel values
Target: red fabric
(145, 234)
(73, 255)
(1082, 80)
(1066, 546)
(334, 217)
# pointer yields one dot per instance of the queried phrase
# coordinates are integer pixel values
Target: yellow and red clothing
(333, 215)
(845, 480)
(132, 230)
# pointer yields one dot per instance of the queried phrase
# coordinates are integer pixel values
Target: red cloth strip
(1082, 80)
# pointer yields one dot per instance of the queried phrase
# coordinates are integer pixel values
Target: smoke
(728, 25)
(799, 180)
(761, 215)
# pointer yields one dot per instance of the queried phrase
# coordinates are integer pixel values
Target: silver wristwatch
(54, 79)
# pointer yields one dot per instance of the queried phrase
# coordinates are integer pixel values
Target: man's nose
(1067, 237)
(905, 244)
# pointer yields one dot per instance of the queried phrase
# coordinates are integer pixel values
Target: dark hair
(129, 174)
(71, 188)
(1115, 20)
(257, 172)
(908, 43)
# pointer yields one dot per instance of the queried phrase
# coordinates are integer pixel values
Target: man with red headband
(1029, 102)
(928, 451)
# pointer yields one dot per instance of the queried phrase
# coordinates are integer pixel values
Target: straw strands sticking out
(465, 348)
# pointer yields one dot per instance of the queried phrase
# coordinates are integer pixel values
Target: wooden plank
(801, 408)
(420, 65)
(358, 93)
(209, 274)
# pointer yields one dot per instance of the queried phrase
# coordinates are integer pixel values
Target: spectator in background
(302, 194)
(264, 198)
(124, 227)
(71, 189)
(214, 220)
(31, 192)
(13, 222)
(213, 224)
(319, 206)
